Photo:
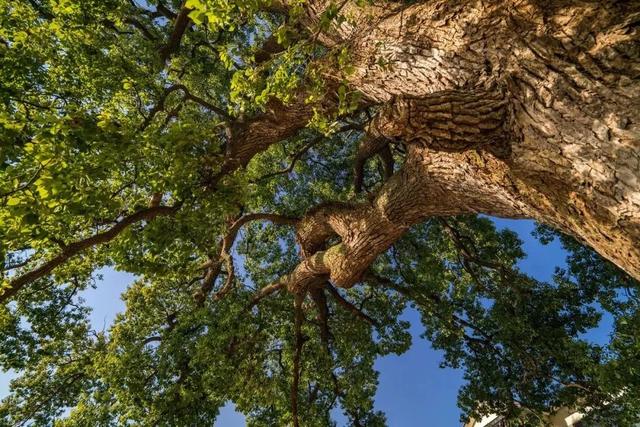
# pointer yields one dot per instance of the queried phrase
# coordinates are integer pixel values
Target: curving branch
(73, 249)
(368, 148)
(305, 148)
(209, 106)
(214, 265)
(229, 239)
(27, 184)
(160, 105)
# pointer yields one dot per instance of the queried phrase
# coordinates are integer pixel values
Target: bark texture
(519, 109)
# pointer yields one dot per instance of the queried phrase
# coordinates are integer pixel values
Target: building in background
(564, 417)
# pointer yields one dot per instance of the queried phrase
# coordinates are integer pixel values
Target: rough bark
(429, 184)
(517, 109)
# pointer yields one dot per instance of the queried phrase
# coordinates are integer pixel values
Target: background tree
(339, 153)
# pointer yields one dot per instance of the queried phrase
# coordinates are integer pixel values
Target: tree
(339, 152)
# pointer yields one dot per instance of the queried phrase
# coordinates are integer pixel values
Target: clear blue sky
(413, 390)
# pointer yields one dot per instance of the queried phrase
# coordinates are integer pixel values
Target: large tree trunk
(514, 109)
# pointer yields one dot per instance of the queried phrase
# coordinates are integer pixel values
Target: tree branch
(297, 356)
(368, 148)
(26, 184)
(294, 159)
(165, 11)
(182, 22)
(187, 95)
(320, 301)
(213, 266)
(75, 248)
(349, 306)
(298, 155)
(265, 292)
(219, 111)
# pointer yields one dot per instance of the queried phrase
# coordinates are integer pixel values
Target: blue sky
(413, 390)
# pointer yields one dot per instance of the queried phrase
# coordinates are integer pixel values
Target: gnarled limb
(227, 243)
(566, 73)
(429, 184)
(277, 123)
(451, 120)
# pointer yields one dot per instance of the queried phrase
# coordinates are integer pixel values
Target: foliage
(100, 113)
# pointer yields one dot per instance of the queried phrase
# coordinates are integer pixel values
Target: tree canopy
(217, 150)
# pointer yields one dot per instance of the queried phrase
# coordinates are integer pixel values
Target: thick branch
(429, 184)
(165, 11)
(276, 124)
(320, 301)
(269, 48)
(450, 120)
(569, 92)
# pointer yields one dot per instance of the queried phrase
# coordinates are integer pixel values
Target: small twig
(145, 32)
